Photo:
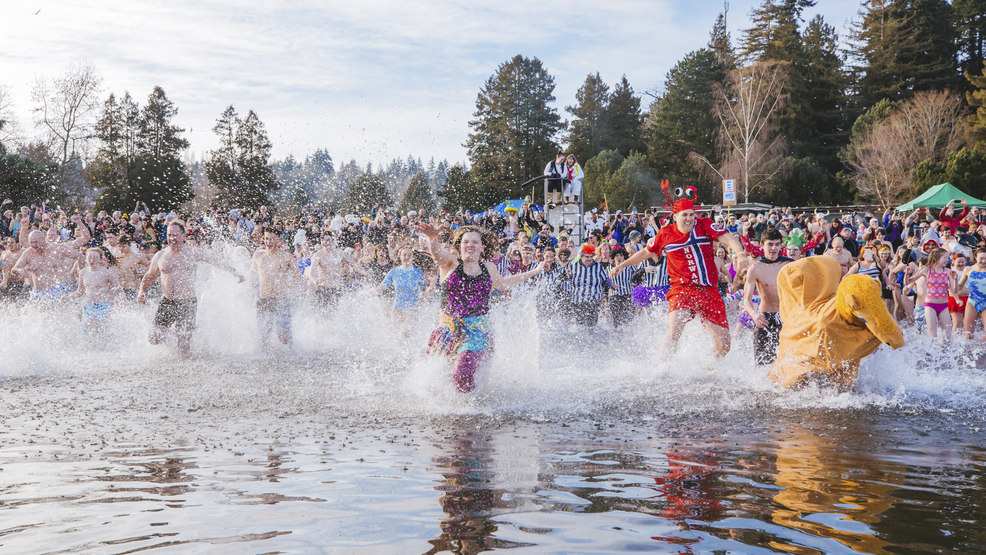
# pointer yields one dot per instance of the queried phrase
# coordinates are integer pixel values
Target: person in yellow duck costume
(828, 326)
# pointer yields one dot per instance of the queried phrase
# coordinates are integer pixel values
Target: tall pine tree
(903, 47)
(625, 123)
(588, 132)
(681, 121)
(514, 130)
(240, 168)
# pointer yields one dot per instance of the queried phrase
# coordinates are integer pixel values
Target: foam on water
(356, 359)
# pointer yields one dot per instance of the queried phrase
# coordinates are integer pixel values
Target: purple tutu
(647, 296)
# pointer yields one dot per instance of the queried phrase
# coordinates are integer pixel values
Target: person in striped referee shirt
(589, 281)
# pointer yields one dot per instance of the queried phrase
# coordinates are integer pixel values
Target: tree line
(794, 112)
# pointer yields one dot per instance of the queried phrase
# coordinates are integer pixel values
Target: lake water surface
(353, 442)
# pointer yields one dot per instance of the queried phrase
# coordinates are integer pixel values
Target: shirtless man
(12, 286)
(763, 275)
(130, 267)
(328, 272)
(838, 251)
(100, 286)
(277, 273)
(177, 265)
(50, 263)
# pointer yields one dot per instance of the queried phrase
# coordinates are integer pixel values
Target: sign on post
(728, 192)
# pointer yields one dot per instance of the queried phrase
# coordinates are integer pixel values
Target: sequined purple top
(464, 296)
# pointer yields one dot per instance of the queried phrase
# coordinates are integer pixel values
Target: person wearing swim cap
(688, 245)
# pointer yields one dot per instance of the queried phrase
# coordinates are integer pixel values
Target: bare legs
(676, 324)
(183, 337)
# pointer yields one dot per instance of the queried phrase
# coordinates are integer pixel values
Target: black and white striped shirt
(503, 265)
(622, 282)
(589, 283)
(659, 277)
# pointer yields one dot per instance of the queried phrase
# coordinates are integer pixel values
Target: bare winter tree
(930, 126)
(10, 131)
(936, 121)
(881, 170)
(64, 109)
(748, 108)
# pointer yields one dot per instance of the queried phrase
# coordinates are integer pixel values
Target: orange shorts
(700, 301)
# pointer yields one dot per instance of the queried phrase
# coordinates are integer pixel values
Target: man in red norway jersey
(688, 245)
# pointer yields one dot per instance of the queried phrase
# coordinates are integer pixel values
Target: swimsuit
(274, 314)
(100, 312)
(977, 290)
(180, 314)
(699, 301)
(766, 339)
(55, 294)
(937, 295)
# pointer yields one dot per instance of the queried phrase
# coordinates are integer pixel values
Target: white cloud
(372, 79)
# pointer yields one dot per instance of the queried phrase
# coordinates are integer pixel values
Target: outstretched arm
(636, 258)
(212, 257)
(503, 283)
(441, 255)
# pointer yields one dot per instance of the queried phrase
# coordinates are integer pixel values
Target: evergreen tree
(965, 169)
(418, 195)
(159, 136)
(240, 168)
(775, 34)
(364, 193)
(462, 191)
(618, 182)
(138, 158)
(25, 181)
(903, 47)
(588, 132)
(625, 133)
(720, 43)
(819, 126)
(977, 100)
(970, 27)
(682, 122)
(515, 127)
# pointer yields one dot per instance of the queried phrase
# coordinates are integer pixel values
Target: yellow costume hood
(828, 326)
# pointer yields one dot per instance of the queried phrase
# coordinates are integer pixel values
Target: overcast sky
(367, 79)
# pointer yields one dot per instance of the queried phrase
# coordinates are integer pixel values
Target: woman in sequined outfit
(467, 278)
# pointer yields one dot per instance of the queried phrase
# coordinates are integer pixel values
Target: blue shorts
(100, 312)
(55, 294)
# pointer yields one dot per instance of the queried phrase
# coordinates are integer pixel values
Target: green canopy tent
(938, 196)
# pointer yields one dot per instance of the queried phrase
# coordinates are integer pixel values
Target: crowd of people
(694, 261)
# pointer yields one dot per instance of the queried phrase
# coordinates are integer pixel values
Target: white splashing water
(356, 359)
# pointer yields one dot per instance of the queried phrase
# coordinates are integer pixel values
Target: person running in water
(467, 279)
(177, 265)
(940, 282)
(408, 284)
(276, 274)
(100, 286)
(329, 272)
(761, 278)
(687, 243)
(974, 277)
(50, 263)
